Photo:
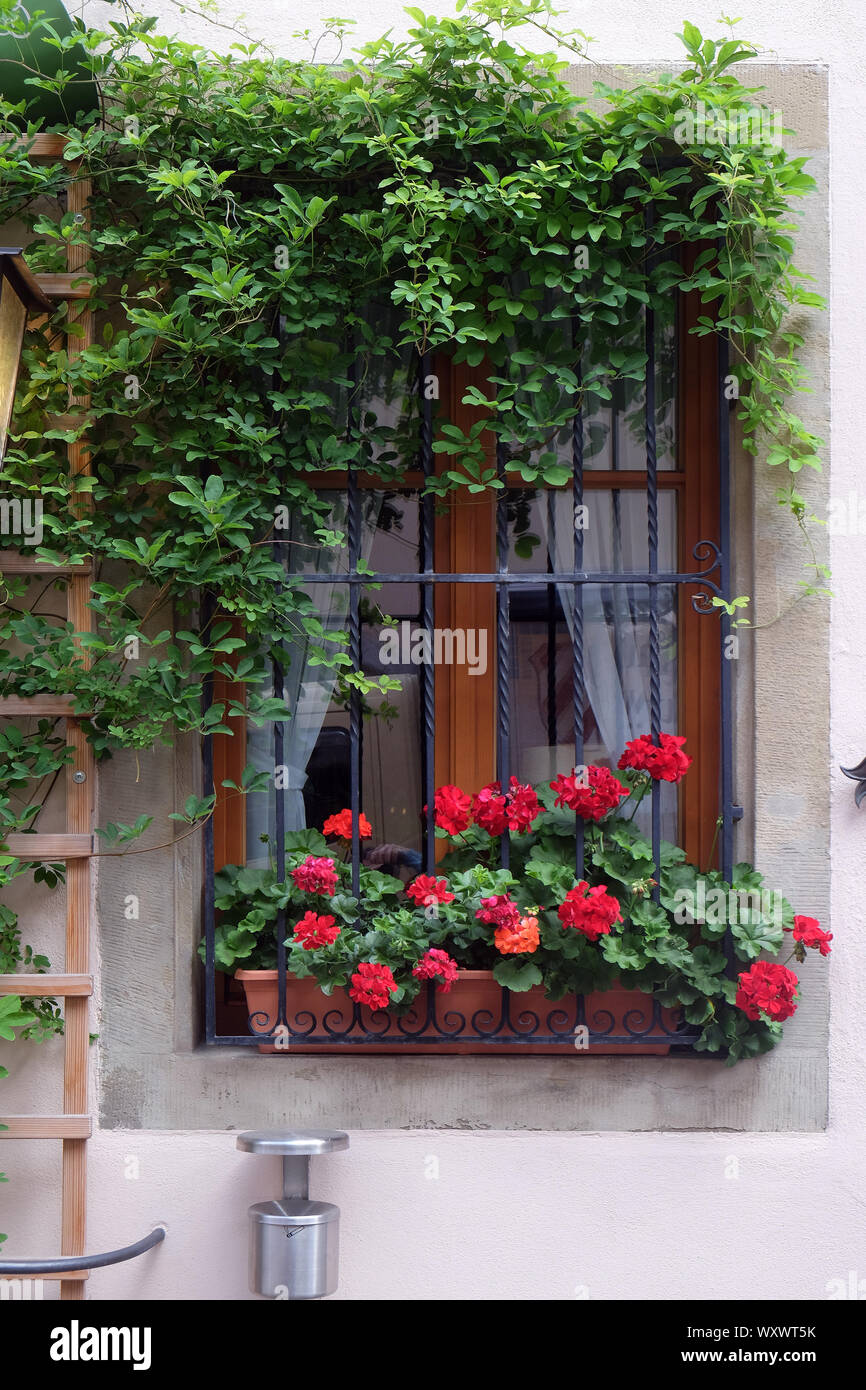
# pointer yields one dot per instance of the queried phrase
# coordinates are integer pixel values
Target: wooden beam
(62, 706)
(69, 421)
(48, 986)
(79, 816)
(16, 562)
(48, 848)
(65, 286)
(40, 146)
(70, 1274)
(46, 1127)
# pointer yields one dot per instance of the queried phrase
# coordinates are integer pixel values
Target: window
(569, 617)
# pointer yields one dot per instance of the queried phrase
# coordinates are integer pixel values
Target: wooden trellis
(73, 1128)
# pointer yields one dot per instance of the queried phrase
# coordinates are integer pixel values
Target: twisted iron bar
(353, 532)
(578, 694)
(653, 545)
(503, 646)
(427, 618)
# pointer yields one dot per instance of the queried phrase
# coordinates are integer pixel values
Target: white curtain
(614, 666)
(616, 632)
(308, 687)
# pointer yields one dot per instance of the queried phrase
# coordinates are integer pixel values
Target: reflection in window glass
(615, 636)
(316, 738)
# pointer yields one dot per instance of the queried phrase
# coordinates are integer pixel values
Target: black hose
(72, 1262)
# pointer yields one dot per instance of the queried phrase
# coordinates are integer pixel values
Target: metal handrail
(68, 1263)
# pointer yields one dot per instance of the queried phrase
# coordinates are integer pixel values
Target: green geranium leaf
(753, 937)
(517, 975)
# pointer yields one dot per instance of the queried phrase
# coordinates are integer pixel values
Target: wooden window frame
(465, 751)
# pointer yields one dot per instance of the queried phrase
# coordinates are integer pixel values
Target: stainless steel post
(294, 1242)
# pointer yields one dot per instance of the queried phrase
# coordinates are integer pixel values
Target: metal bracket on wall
(858, 775)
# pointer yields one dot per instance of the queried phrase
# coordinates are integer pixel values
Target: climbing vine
(268, 239)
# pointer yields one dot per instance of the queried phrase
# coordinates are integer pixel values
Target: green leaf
(517, 975)
(691, 37)
(13, 1015)
(755, 936)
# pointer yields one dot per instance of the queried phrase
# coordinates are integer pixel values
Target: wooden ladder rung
(75, 285)
(47, 848)
(70, 1274)
(16, 562)
(38, 704)
(46, 1126)
(40, 146)
(48, 986)
(70, 422)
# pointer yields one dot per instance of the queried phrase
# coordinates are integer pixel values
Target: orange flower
(519, 940)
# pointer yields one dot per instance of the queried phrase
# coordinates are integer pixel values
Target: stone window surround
(156, 1074)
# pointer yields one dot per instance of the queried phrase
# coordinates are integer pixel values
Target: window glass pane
(391, 793)
(616, 679)
(387, 403)
(375, 374)
(615, 637)
(614, 425)
(316, 738)
(541, 530)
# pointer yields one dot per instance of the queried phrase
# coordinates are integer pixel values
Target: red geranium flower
(313, 931)
(489, 809)
(591, 796)
(499, 910)
(452, 807)
(519, 940)
(767, 988)
(436, 964)
(523, 806)
(315, 876)
(341, 826)
(372, 985)
(426, 889)
(496, 812)
(808, 931)
(592, 911)
(665, 762)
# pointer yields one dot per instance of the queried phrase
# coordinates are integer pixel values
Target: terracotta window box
(477, 1016)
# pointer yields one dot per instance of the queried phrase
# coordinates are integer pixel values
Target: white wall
(543, 1215)
(526, 1216)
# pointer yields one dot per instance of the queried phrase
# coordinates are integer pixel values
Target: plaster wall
(541, 1179)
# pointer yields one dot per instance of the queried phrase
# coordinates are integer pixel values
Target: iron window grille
(711, 577)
